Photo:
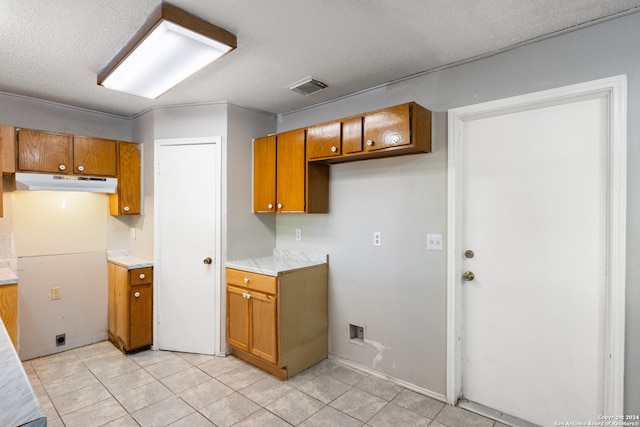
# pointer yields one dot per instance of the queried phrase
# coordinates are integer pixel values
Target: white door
(535, 216)
(186, 187)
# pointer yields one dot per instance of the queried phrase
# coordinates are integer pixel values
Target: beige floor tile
(95, 415)
(196, 359)
(101, 349)
(74, 400)
(126, 421)
(194, 420)
(220, 366)
(452, 416)
(324, 388)
(418, 403)
(267, 390)
(393, 415)
(359, 404)
(111, 366)
(242, 377)
(262, 418)
(140, 397)
(379, 387)
(330, 417)
(295, 407)
(55, 372)
(205, 394)
(168, 367)
(162, 413)
(151, 357)
(229, 410)
(128, 381)
(185, 380)
(68, 384)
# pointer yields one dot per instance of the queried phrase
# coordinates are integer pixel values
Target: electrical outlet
(298, 234)
(61, 340)
(434, 242)
(132, 233)
(56, 292)
(377, 238)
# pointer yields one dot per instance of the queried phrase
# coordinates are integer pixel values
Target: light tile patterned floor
(97, 385)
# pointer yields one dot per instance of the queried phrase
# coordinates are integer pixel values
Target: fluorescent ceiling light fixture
(172, 46)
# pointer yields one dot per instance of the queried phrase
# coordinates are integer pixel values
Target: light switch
(298, 234)
(377, 238)
(434, 242)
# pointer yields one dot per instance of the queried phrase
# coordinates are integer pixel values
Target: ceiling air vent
(307, 86)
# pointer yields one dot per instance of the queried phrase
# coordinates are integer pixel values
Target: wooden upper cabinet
(386, 128)
(324, 140)
(8, 141)
(127, 200)
(264, 174)
(290, 171)
(352, 135)
(94, 156)
(40, 151)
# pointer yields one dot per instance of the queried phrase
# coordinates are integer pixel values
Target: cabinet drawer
(140, 276)
(257, 282)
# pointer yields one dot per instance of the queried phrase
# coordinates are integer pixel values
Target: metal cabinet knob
(468, 276)
(369, 143)
(80, 168)
(142, 276)
(126, 208)
(334, 149)
(62, 167)
(207, 260)
(137, 295)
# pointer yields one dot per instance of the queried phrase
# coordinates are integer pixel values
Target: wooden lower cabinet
(279, 324)
(9, 310)
(130, 307)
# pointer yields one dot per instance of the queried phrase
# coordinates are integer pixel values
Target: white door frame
(614, 90)
(217, 141)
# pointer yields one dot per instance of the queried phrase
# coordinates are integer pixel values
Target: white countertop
(19, 405)
(7, 276)
(281, 261)
(130, 262)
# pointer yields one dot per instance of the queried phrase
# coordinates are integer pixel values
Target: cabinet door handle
(270, 205)
(62, 167)
(126, 208)
(142, 276)
(246, 280)
(369, 143)
(137, 294)
(279, 205)
(80, 168)
(334, 149)
(248, 296)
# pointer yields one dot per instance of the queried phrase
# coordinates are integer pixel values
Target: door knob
(207, 260)
(468, 276)
(469, 253)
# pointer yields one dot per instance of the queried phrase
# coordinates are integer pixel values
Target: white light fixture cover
(168, 54)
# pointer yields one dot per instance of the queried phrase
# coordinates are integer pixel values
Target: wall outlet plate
(56, 292)
(298, 234)
(377, 238)
(434, 242)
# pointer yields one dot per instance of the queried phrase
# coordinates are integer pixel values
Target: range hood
(51, 182)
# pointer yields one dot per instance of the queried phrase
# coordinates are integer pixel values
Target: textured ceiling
(53, 50)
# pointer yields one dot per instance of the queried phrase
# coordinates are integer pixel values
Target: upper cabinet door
(352, 135)
(127, 200)
(291, 171)
(324, 140)
(94, 156)
(40, 151)
(387, 128)
(264, 174)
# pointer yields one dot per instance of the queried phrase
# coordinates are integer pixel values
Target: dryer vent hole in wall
(356, 333)
(61, 340)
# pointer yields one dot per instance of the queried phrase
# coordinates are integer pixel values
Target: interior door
(185, 267)
(534, 257)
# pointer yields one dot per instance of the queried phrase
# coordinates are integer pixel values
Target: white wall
(399, 290)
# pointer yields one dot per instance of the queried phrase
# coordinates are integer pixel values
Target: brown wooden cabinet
(130, 307)
(127, 200)
(393, 131)
(283, 181)
(9, 310)
(51, 152)
(279, 324)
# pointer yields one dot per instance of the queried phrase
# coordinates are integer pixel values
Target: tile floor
(97, 385)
